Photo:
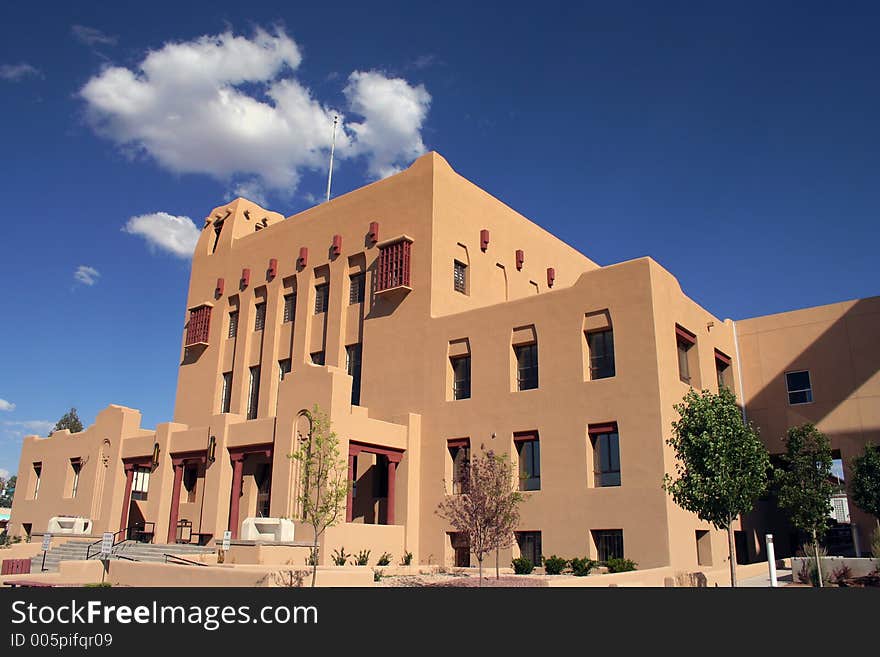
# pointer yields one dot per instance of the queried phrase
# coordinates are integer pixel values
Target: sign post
(47, 539)
(227, 540)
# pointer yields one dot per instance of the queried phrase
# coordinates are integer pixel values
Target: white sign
(227, 539)
(107, 544)
(47, 538)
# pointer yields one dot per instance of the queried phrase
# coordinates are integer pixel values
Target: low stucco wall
(858, 567)
(658, 577)
(355, 537)
(289, 555)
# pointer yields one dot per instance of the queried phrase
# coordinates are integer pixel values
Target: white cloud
(6, 406)
(165, 232)
(15, 72)
(229, 106)
(41, 427)
(91, 36)
(4, 474)
(252, 190)
(86, 275)
(393, 111)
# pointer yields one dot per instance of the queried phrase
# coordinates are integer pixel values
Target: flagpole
(332, 149)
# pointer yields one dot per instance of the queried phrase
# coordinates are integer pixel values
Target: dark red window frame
(394, 265)
(198, 326)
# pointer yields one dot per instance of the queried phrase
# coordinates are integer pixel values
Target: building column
(237, 467)
(126, 498)
(348, 497)
(175, 502)
(392, 480)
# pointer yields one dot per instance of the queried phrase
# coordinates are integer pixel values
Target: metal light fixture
(212, 449)
(155, 455)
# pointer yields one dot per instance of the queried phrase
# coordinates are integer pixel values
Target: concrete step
(76, 550)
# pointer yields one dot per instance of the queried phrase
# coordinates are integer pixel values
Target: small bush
(620, 565)
(841, 576)
(809, 574)
(582, 567)
(340, 557)
(406, 559)
(377, 575)
(554, 565)
(362, 558)
(522, 566)
(875, 543)
(807, 550)
(312, 559)
(384, 560)
(98, 585)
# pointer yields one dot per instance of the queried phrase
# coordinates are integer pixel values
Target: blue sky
(737, 145)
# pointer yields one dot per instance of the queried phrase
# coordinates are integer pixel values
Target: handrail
(140, 526)
(185, 560)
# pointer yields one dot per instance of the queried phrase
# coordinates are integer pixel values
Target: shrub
(620, 565)
(809, 574)
(582, 567)
(362, 558)
(384, 560)
(554, 565)
(806, 550)
(406, 559)
(312, 559)
(840, 576)
(377, 575)
(522, 566)
(339, 556)
(875, 543)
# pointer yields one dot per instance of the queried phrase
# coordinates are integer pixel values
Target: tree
(866, 481)
(721, 464)
(487, 510)
(69, 421)
(804, 485)
(7, 491)
(324, 482)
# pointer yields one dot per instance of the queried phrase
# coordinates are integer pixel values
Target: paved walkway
(783, 577)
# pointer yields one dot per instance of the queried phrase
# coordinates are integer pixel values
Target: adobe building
(429, 320)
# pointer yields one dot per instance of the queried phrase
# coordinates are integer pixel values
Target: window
(226, 393)
(685, 341)
(233, 324)
(38, 471)
(722, 370)
(253, 393)
(459, 276)
(461, 377)
(609, 543)
(141, 483)
(601, 347)
(393, 265)
(526, 366)
(356, 288)
(353, 367)
(800, 391)
(460, 456)
(190, 477)
(75, 466)
(462, 549)
(198, 326)
(289, 307)
(260, 316)
(283, 368)
(606, 455)
(318, 357)
(322, 298)
(530, 546)
(529, 451)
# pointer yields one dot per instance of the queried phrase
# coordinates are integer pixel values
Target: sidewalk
(783, 577)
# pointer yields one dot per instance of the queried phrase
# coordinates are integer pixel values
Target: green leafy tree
(803, 484)
(486, 511)
(866, 481)
(721, 466)
(324, 483)
(7, 491)
(69, 421)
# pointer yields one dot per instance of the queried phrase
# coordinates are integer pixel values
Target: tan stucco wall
(405, 401)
